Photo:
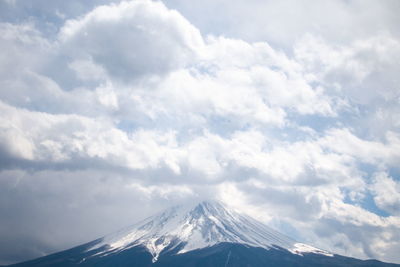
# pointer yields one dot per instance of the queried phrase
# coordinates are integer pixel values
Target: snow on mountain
(187, 228)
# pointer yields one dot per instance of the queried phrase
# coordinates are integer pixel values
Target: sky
(288, 111)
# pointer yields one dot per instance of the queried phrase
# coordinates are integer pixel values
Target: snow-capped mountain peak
(190, 227)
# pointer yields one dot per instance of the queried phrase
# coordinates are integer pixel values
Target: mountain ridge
(197, 226)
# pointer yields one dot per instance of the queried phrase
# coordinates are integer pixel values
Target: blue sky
(286, 110)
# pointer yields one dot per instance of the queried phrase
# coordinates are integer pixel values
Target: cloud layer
(111, 112)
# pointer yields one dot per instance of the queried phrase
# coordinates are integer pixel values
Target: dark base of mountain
(223, 254)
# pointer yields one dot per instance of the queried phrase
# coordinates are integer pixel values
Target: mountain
(205, 234)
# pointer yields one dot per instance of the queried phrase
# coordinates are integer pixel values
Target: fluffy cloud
(127, 108)
(386, 192)
(121, 39)
(373, 152)
(368, 64)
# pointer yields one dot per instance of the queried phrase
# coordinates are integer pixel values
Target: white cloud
(25, 46)
(121, 39)
(14, 142)
(107, 96)
(386, 193)
(363, 70)
(88, 70)
(374, 152)
(45, 137)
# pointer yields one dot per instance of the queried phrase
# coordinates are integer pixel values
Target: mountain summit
(186, 228)
(205, 234)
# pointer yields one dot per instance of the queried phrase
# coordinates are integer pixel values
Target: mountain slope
(206, 234)
(222, 254)
(193, 227)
